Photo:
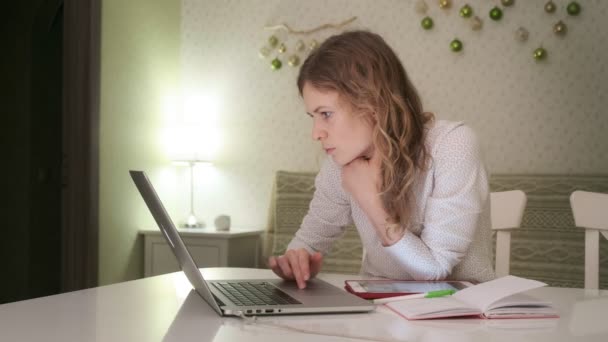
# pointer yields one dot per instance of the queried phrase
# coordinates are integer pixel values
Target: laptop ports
(269, 311)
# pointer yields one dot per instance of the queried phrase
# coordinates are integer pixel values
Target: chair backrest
(590, 211)
(507, 210)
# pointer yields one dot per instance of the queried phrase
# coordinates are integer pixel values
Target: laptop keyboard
(254, 293)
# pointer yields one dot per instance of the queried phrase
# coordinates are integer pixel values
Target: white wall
(547, 117)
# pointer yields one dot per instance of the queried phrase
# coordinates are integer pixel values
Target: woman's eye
(326, 114)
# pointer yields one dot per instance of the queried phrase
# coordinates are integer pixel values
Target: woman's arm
(328, 214)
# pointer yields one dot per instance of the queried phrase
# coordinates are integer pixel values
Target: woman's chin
(342, 161)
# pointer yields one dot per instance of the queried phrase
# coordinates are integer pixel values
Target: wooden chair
(507, 210)
(590, 210)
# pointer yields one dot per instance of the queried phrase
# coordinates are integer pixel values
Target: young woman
(415, 187)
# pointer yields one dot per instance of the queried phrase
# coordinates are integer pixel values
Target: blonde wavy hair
(367, 73)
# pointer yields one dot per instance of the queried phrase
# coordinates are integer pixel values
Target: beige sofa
(548, 247)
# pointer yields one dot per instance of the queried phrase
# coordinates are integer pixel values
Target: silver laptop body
(318, 297)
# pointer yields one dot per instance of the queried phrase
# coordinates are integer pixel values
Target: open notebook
(499, 298)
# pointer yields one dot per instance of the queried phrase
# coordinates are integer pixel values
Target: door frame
(80, 144)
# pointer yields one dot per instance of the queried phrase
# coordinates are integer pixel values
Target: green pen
(430, 294)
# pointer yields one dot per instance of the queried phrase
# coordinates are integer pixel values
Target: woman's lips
(329, 150)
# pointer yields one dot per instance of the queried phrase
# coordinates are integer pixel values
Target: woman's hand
(361, 178)
(296, 264)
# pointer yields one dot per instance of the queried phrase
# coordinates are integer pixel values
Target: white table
(162, 308)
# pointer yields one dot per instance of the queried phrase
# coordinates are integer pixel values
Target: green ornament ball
(456, 45)
(495, 13)
(573, 8)
(540, 54)
(427, 23)
(276, 64)
(466, 11)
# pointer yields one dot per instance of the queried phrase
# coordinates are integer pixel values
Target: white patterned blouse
(451, 241)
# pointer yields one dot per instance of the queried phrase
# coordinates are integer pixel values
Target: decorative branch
(289, 30)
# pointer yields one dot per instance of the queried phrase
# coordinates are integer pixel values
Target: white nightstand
(238, 247)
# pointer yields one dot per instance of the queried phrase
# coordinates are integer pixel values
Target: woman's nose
(318, 132)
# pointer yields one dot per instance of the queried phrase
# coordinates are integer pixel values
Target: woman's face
(344, 134)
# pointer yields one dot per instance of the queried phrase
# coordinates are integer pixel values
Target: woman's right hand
(296, 264)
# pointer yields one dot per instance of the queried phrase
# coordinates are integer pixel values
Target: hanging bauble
(273, 41)
(445, 4)
(422, 7)
(540, 54)
(282, 48)
(507, 3)
(300, 46)
(427, 23)
(466, 11)
(573, 8)
(550, 7)
(293, 60)
(476, 23)
(456, 45)
(276, 64)
(496, 13)
(313, 44)
(264, 52)
(560, 28)
(522, 34)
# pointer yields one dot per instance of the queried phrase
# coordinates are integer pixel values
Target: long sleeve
(329, 212)
(452, 211)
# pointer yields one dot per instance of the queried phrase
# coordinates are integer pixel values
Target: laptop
(248, 296)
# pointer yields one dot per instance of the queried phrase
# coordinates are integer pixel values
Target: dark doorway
(48, 142)
(45, 155)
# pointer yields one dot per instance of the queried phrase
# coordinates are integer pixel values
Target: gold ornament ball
(560, 28)
(282, 48)
(445, 4)
(300, 46)
(273, 41)
(507, 3)
(264, 52)
(293, 60)
(550, 7)
(540, 54)
(313, 44)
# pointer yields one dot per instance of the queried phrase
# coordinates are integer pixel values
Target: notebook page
(483, 295)
(431, 307)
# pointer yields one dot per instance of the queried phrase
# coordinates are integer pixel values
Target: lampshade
(192, 143)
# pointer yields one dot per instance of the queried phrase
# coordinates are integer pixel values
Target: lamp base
(193, 222)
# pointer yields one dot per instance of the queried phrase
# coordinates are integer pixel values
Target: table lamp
(192, 221)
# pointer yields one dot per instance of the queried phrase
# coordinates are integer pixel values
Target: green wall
(140, 63)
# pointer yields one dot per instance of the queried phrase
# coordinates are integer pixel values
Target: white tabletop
(163, 308)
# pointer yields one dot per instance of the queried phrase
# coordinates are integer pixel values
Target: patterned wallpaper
(531, 118)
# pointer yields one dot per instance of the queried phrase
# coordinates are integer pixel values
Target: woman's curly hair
(367, 73)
